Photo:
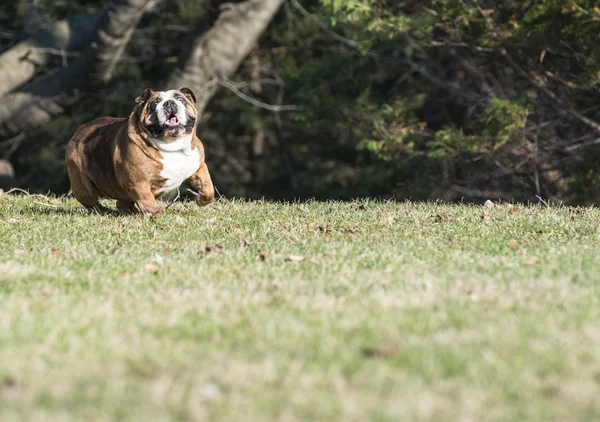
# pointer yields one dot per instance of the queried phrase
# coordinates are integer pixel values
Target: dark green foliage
(419, 99)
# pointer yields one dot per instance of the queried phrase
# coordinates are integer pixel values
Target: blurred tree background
(425, 99)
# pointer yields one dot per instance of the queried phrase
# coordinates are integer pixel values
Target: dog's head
(166, 116)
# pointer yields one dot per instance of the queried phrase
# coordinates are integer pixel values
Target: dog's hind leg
(84, 190)
(126, 207)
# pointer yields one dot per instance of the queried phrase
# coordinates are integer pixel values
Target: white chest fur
(178, 165)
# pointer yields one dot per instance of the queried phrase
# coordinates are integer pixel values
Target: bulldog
(141, 158)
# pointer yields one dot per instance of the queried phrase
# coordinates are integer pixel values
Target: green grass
(401, 311)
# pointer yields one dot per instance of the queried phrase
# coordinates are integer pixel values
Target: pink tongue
(173, 121)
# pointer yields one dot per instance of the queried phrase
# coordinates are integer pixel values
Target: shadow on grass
(74, 210)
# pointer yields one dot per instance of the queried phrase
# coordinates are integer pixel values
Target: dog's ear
(144, 97)
(188, 93)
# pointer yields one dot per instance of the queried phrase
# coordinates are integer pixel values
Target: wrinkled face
(168, 115)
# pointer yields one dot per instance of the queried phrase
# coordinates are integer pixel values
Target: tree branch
(558, 101)
(49, 97)
(226, 83)
(217, 53)
(22, 61)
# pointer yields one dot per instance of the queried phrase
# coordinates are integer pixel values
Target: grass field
(251, 311)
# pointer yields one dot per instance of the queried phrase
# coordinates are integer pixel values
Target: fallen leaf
(499, 207)
(326, 228)
(153, 268)
(488, 204)
(55, 251)
(295, 258)
(211, 249)
(351, 229)
(168, 252)
(485, 216)
(532, 261)
(383, 352)
(514, 245)
(487, 12)
(389, 219)
(515, 210)
(441, 219)
(264, 254)
(359, 207)
(244, 244)
(9, 382)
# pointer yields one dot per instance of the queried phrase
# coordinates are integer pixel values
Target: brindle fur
(112, 158)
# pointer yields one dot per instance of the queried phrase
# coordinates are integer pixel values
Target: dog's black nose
(170, 107)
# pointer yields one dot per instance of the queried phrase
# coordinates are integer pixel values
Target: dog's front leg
(203, 184)
(143, 198)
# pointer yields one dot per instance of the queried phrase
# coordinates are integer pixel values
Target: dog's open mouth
(172, 120)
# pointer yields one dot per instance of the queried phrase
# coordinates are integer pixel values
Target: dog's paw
(203, 199)
(152, 211)
(202, 202)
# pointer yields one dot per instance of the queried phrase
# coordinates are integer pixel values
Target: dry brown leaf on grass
(350, 229)
(152, 268)
(262, 254)
(441, 219)
(485, 216)
(326, 228)
(515, 246)
(295, 258)
(211, 249)
(389, 219)
(382, 352)
(168, 251)
(55, 251)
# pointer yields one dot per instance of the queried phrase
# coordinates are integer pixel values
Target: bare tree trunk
(22, 61)
(218, 52)
(48, 98)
